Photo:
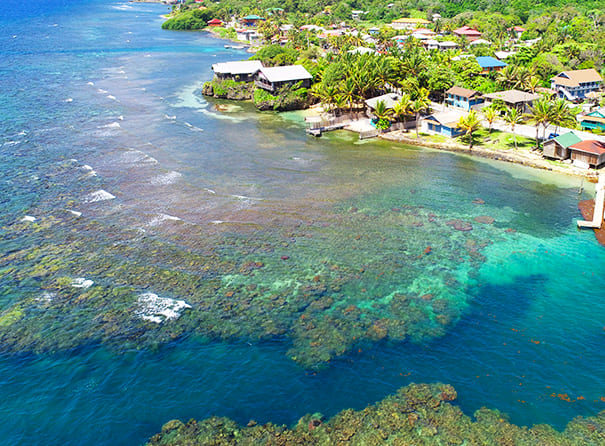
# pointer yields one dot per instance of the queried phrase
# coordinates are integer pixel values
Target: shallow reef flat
(419, 414)
(323, 282)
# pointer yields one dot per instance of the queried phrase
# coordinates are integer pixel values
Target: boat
(235, 47)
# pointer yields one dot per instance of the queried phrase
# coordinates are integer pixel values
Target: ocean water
(306, 262)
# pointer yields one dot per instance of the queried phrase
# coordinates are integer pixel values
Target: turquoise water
(96, 85)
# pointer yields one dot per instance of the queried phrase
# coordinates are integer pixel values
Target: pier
(592, 212)
(599, 203)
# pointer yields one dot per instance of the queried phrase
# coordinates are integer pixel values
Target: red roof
(590, 146)
(519, 29)
(215, 22)
(467, 31)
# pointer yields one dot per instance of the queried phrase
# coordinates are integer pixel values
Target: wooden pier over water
(592, 212)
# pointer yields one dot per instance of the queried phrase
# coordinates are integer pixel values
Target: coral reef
(419, 414)
(323, 282)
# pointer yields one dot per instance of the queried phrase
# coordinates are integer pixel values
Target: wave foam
(29, 219)
(133, 156)
(46, 297)
(161, 218)
(100, 195)
(81, 282)
(166, 179)
(154, 308)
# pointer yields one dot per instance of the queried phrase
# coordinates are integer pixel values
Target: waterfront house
(590, 152)
(463, 98)
(575, 84)
(274, 78)
(252, 20)
(408, 23)
(215, 22)
(489, 64)
(593, 120)
(558, 148)
(444, 123)
(248, 35)
(389, 99)
(241, 71)
(513, 98)
(467, 32)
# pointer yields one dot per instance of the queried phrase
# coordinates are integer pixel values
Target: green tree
(513, 118)
(540, 114)
(420, 104)
(402, 107)
(470, 124)
(490, 115)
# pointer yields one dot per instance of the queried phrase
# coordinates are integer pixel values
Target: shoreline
(534, 161)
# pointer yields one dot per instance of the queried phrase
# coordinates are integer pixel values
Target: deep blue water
(71, 70)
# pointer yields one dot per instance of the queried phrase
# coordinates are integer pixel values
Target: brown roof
(574, 78)
(590, 146)
(513, 96)
(464, 92)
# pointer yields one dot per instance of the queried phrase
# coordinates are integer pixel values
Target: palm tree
(421, 104)
(540, 114)
(402, 107)
(507, 77)
(562, 114)
(490, 115)
(348, 91)
(381, 111)
(512, 118)
(470, 124)
(532, 83)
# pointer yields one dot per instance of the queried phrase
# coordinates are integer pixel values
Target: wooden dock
(598, 205)
(592, 212)
(317, 131)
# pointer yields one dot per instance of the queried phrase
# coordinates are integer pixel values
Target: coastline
(529, 159)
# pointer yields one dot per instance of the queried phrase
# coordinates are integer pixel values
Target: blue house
(463, 98)
(489, 64)
(444, 123)
(576, 84)
(593, 120)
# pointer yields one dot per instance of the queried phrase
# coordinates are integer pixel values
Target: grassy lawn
(498, 140)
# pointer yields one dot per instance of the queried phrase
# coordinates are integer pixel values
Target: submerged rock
(485, 219)
(419, 414)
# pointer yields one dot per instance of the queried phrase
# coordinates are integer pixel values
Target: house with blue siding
(593, 120)
(489, 64)
(463, 98)
(575, 84)
(444, 123)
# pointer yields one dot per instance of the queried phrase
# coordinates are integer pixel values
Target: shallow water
(102, 116)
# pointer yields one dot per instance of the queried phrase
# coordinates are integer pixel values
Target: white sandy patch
(157, 309)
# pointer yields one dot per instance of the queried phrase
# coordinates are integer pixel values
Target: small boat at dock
(235, 47)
